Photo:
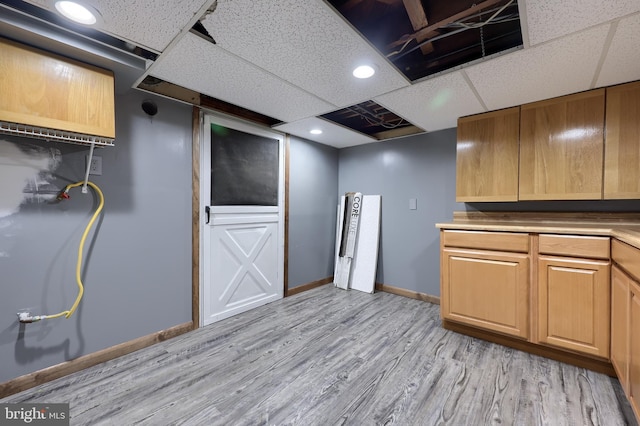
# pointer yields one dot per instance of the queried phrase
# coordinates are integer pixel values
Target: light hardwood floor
(329, 356)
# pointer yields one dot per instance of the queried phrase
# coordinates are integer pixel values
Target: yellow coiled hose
(95, 187)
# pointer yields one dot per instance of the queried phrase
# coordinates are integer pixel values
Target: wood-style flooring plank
(329, 356)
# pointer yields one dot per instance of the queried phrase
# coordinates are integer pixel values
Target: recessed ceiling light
(364, 71)
(77, 12)
(315, 131)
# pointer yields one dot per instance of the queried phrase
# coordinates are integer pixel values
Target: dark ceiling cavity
(422, 38)
(373, 120)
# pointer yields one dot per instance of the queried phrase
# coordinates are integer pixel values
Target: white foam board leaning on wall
(349, 220)
(359, 272)
(365, 257)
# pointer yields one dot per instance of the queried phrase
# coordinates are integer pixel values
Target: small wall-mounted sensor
(150, 108)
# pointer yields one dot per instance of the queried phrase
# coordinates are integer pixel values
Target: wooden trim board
(48, 374)
(309, 286)
(287, 152)
(408, 293)
(598, 365)
(195, 219)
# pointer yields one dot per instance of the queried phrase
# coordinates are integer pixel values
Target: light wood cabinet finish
(574, 246)
(620, 299)
(501, 241)
(487, 156)
(625, 323)
(574, 304)
(486, 289)
(561, 148)
(634, 348)
(622, 147)
(627, 257)
(45, 90)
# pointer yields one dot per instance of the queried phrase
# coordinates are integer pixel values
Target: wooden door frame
(196, 122)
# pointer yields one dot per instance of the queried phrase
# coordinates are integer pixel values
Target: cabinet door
(620, 299)
(487, 156)
(561, 148)
(45, 90)
(634, 347)
(486, 289)
(574, 310)
(622, 147)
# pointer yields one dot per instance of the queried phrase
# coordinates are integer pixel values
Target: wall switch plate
(413, 204)
(95, 168)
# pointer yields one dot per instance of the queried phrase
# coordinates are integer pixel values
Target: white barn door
(242, 191)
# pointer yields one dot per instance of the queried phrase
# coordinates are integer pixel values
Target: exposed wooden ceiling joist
(419, 20)
(430, 30)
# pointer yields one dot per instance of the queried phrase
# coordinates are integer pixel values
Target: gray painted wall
(313, 196)
(138, 271)
(421, 167)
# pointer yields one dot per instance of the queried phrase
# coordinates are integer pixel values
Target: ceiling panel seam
(260, 69)
(399, 115)
(524, 24)
(183, 31)
(605, 50)
(473, 89)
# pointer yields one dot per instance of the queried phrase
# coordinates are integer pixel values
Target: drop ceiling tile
(622, 62)
(551, 19)
(199, 65)
(148, 23)
(433, 104)
(564, 66)
(304, 42)
(332, 134)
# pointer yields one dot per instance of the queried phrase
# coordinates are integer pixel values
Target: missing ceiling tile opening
(423, 38)
(373, 120)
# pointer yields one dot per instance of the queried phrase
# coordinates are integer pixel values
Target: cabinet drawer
(574, 246)
(627, 257)
(501, 241)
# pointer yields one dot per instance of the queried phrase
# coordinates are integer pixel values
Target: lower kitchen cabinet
(486, 289)
(634, 347)
(573, 304)
(570, 297)
(625, 319)
(620, 299)
(625, 334)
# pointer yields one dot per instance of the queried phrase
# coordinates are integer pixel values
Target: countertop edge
(629, 234)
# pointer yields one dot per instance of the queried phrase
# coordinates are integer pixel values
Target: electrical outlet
(96, 165)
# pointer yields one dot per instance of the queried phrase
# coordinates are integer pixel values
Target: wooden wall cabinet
(48, 91)
(486, 288)
(622, 143)
(555, 149)
(561, 147)
(487, 156)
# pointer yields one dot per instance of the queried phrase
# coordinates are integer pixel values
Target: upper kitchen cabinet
(622, 147)
(47, 94)
(487, 156)
(561, 147)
